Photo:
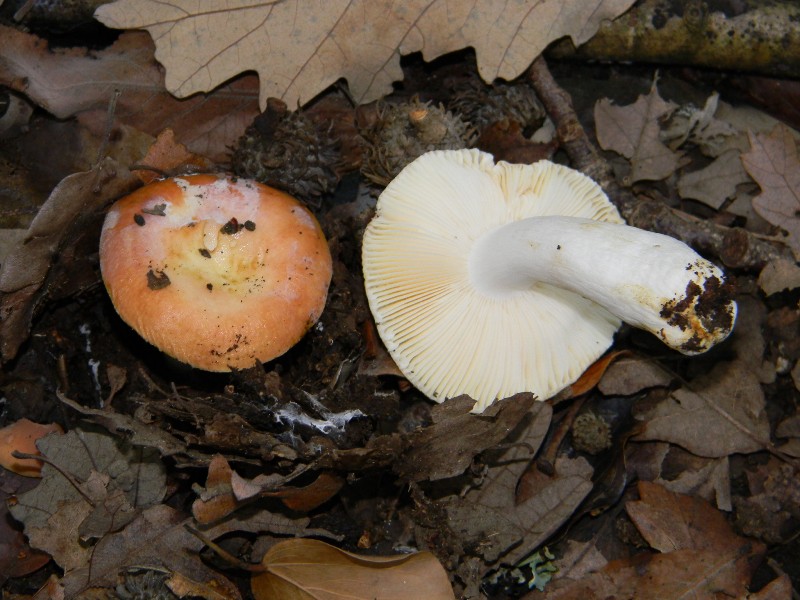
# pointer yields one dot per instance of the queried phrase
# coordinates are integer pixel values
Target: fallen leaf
(17, 558)
(670, 521)
(699, 555)
(629, 376)
(24, 273)
(719, 414)
(714, 184)
(707, 478)
(202, 46)
(306, 569)
(633, 131)
(89, 480)
(491, 517)
(779, 275)
(226, 491)
(592, 376)
(76, 82)
(157, 536)
(447, 447)
(167, 156)
(773, 163)
(21, 436)
(771, 510)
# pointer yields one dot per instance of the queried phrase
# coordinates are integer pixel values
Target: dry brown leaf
(670, 521)
(779, 275)
(631, 375)
(226, 490)
(633, 131)
(717, 182)
(17, 558)
(492, 518)
(305, 569)
(773, 163)
(707, 478)
(701, 557)
(204, 45)
(448, 446)
(720, 414)
(590, 378)
(74, 82)
(23, 276)
(696, 574)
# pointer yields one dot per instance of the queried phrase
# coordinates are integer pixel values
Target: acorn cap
(219, 273)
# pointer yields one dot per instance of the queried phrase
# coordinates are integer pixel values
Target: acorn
(288, 151)
(591, 433)
(407, 130)
(483, 105)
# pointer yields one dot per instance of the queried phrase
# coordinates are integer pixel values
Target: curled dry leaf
(305, 569)
(204, 45)
(226, 490)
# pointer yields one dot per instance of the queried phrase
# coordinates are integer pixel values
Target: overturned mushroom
(217, 272)
(492, 279)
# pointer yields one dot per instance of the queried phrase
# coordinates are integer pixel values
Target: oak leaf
(721, 413)
(774, 164)
(300, 47)
(633, 131)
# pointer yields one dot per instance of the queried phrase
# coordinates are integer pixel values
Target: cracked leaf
(204, 44)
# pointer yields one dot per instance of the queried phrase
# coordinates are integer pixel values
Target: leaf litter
(159, 464)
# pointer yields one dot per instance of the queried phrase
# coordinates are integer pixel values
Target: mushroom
(219, 273)
(492, 279)
(21, 436)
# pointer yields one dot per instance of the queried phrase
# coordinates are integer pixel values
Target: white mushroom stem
(646, 279)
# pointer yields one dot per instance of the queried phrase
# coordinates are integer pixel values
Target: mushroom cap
(449, 338)
(217, 272)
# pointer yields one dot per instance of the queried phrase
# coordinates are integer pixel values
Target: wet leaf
(718, 414)
(773, 163)
(305, 569)
(633, 131)
(202, 46)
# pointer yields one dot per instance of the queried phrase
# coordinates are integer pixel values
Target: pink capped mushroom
(217, 272)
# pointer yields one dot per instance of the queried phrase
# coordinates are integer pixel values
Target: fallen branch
(735, 247)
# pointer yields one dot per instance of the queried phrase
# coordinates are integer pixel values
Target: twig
(734, 246)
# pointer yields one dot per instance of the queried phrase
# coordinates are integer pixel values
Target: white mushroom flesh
(472, 294)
